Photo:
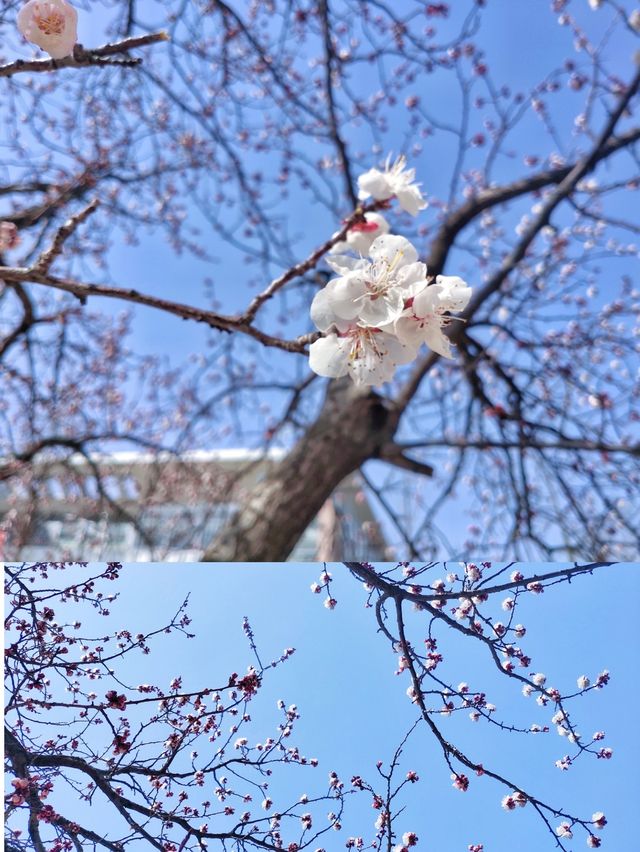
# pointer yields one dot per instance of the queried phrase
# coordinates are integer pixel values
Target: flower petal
(329, 356)
(412, 277)
(409, 330)
(410, 199)
(344, 295)
(374, 183)
(436, 340)
(382, 310)
(454, 293)
(322, 314)
(427, 302)
(342, 263)
(388, 246)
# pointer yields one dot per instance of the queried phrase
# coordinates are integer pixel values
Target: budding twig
(82, 58)
(43, 263)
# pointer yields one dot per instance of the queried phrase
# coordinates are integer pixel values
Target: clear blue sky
(355, 711)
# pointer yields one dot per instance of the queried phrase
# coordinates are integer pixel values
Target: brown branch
(329, 62)
(394, 454)
(218, 321)
(368, 575)
(458, 219)
(44, 261)
(306, 265)
(71, 190)
(122, 804)
(38, 274)
(450, 750)
(83, 58)
(27, 321)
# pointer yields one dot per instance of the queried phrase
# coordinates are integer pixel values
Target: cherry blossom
(51, 24)
(396, 180)
(424, 320)
(564, 830)
(360, 237)
(368, 355)
(508, 803)
(375, 291)
(460, 782)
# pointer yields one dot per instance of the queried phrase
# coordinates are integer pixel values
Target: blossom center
(51, 23)
(361, 340)
(380, 278)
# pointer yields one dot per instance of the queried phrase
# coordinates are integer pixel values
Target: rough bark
(352, 427)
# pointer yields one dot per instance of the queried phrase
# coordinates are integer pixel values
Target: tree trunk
(353, 425)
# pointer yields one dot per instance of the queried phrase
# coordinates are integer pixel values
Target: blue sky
(354, 710)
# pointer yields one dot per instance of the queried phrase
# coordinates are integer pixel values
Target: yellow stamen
(51, 24)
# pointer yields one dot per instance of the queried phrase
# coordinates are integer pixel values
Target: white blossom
(396, 180)
(372, 291)
(599, 820)
(424, 320)
(368, 355)
(51, 24)
(564, 830)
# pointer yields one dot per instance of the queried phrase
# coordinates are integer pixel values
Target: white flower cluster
(381, 307)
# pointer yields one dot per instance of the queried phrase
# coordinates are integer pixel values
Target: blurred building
(163, 507)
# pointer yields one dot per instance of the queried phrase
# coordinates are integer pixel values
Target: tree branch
(83, 58)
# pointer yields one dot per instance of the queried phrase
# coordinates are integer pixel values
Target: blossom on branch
(564, 830)
(378, 311)
(51, 24)
(396, 180)
(424, 320)
(369, 355)
(373, 292)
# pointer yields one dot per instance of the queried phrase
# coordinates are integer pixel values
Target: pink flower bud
(8, 236)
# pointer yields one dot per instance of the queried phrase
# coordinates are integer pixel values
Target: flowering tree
(471, 349)
(171, 763)
(99, 758)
